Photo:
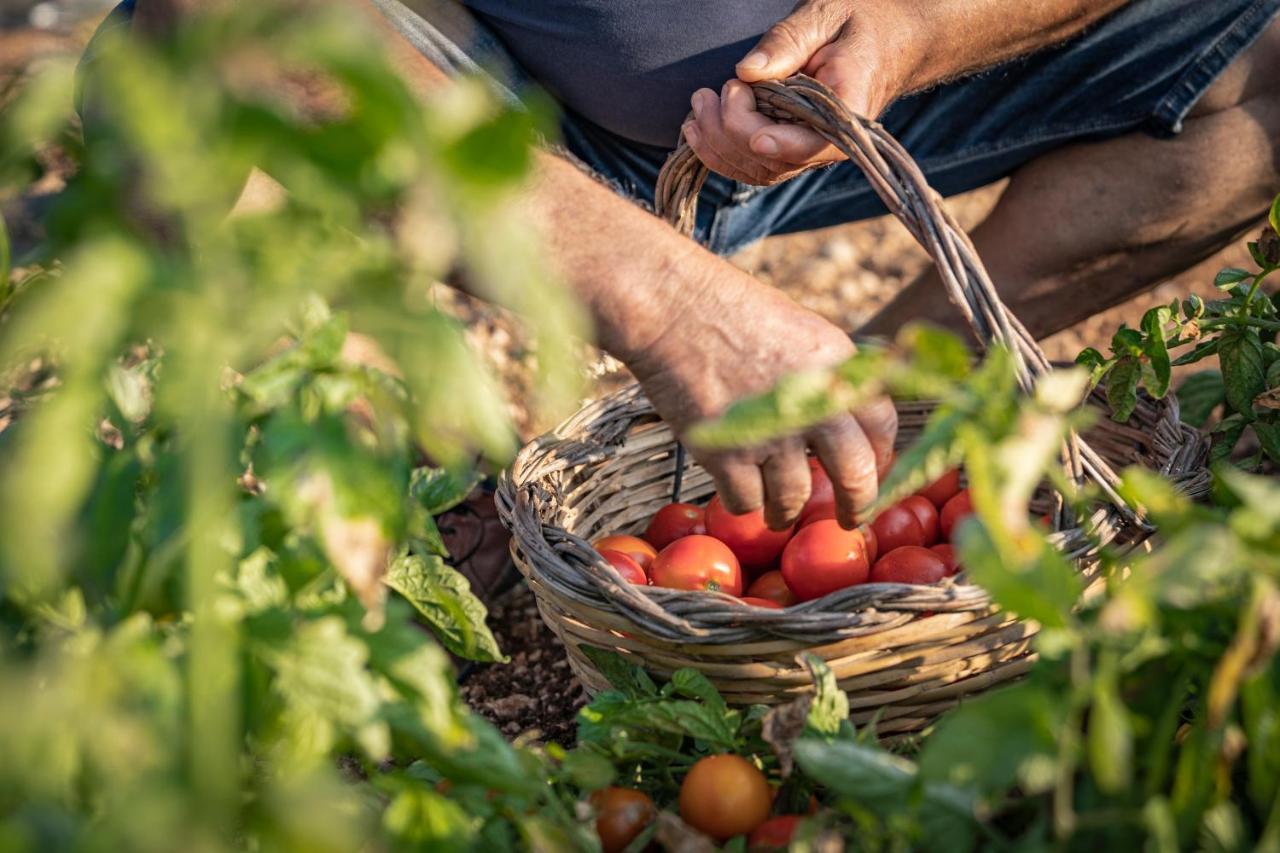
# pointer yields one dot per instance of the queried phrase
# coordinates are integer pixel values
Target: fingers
(793, 144)
(789, 44)
(787, 483)
(721, 130)
(842, 447)
(737, 481)
(879, 422)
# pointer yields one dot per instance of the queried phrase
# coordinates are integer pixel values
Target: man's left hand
(866, 51)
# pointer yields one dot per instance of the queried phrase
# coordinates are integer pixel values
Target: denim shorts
(1142, 68)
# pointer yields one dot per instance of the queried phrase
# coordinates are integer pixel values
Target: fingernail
(764, 145)
(691, 134)
(697, 101)
(755, 59)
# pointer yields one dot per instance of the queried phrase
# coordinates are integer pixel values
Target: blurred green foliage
(219, 569)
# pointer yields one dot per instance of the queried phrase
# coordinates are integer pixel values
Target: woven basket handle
(902, 187)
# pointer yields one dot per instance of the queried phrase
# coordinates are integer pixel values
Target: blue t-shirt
(630, 65)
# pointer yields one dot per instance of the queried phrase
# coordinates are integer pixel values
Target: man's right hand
(735, 337)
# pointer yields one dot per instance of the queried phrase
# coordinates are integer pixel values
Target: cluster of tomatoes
(721, 796)
(696, 548)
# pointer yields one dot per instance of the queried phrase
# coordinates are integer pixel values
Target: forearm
(962, 36)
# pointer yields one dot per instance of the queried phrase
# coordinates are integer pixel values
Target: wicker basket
(903, 653)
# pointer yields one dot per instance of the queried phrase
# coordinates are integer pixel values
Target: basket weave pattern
(904, 653)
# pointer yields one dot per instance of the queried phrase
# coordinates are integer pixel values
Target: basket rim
(563, 564)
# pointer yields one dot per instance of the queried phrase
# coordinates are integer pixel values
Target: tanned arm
(871, 52)
(697, 332)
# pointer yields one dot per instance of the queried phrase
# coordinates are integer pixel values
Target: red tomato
(822, 496)
(947, 554)
(675, 521)
(724, 796)
(747, 536)
(942, 489)
(824, 557)
(960, 506)
(621, 815)
(895, 527)
(873, 544)
(697, 562)
(761, 602)
(909, 564)
(926, 513)
(633, 546)
(772, 586)
(775, 833)
(627, 567)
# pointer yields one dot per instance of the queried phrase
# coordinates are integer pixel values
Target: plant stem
(1270, 325)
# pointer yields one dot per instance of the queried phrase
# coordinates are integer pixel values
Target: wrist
(896, 41)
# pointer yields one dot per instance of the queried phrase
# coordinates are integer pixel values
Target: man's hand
(870, 52)
(739, 337)
(866, 52)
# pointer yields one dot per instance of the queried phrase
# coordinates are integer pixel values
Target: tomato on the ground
(950, 558)
(824, 557)
(747, 536)
(773, 586)
(633, 546)
(760, 602)
(926, 513)
(959, 507)
(675, 521)
(909, 564)
(942, 489)
(697, 562)
(775, 833)
(621, 815)
(627, 567)
(724, 796)
(895, 527)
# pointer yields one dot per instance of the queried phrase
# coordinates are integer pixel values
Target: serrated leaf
(1243, 374)
(631, 680)
(444, 599)
(694, 685)
(1225, 437)
(1122, 388)
(1199, 395)
(1229, 277)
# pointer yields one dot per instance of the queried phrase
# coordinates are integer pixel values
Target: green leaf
(631, 680)
(589, 770)
(1045, 588)
(936, 351)
(422, 819)
(1110, 735)
(443, 597)
(1269, 437)
(1229, 277)
(1274, 218)
(1225, 436)
(1094, 361)
(995, 741)
(5, 259)
(1201, 351)
(1157, 379)
(1240, 354)
(693, 684)
(1122, 388)
(1199, 395)
(829, 709)
(1273, 372)
(441, 489)
(1193, 307)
